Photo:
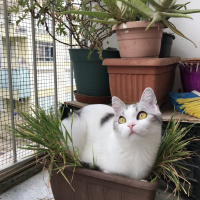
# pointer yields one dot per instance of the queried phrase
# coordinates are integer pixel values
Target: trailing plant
(122, 11)
(85, 33)
(44, 132)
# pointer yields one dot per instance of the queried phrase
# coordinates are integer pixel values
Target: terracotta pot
(129, 77)
(135, 42)
(95, 185)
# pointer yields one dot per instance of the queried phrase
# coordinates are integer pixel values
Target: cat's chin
(133, 134)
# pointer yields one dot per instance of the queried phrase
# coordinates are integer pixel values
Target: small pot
(135, 42)
(190, 74)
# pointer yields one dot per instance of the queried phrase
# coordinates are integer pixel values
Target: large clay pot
(129, 77)
(135, 42)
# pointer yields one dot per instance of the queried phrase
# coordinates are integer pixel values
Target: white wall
(181, 47)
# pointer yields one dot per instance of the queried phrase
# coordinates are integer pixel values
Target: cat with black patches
(123, 139)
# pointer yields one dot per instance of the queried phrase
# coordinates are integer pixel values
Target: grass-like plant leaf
(44, 133)
(172, 153)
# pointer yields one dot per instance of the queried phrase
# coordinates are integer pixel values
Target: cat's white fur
(118, 148)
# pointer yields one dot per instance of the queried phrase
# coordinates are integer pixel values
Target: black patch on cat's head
(106, 118)
(65, 111)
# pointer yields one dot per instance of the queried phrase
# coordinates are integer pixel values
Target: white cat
(124, 139)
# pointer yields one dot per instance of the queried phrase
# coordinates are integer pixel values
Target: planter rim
(141, 61)
(109, 50)
(191, 60)
(136, 24)
(113, 178)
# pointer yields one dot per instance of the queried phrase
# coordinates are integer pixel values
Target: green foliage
(132, 10)
(79, 26)
(171, 152)
(44, 132)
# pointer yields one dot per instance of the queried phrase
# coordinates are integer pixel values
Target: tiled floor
(36, 188)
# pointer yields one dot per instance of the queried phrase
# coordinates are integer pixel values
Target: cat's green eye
(121, 120)
(142, 115)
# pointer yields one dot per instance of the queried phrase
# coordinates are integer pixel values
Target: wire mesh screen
(17, 41)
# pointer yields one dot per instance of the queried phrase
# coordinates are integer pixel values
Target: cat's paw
(144, 180)
(107, 172)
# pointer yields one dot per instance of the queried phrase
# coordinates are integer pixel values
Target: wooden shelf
(167, 111)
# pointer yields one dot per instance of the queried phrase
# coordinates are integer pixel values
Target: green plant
(122, 11)
(171, 153)
(44, 132)
(85, 33)
(45, 136)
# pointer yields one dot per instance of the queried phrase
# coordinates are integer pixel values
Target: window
(44, 51)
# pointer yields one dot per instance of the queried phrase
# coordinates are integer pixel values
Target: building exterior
(22, 70)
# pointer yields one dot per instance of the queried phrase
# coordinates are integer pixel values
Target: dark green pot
(166, 45)
(91, 77)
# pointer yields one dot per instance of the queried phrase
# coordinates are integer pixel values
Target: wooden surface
(167, 111)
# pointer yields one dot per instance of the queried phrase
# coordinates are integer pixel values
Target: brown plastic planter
(95, 185)
(129, 77)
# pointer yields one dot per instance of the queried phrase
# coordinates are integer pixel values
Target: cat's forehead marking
(130, 109)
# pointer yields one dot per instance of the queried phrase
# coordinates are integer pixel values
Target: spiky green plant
(172, 152)
(120, 11)
(43, 130)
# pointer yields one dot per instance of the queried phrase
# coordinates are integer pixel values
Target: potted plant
(139, 29)
(70, 179)
(124, 15)
(90, 76)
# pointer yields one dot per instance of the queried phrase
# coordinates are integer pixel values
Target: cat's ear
(149, 98)
(117, 105)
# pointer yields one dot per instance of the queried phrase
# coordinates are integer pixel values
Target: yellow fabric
(191, 106)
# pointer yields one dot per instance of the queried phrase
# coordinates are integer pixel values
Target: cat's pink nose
(131, 125)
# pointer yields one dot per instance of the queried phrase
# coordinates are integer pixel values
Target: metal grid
(36, 68)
